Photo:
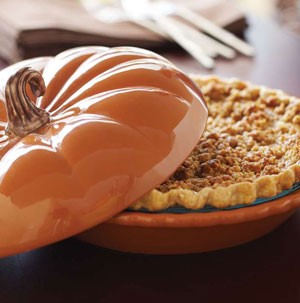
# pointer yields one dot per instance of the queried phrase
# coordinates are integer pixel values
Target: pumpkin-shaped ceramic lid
(92, 133)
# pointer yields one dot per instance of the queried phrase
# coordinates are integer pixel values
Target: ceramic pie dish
(100, 139)
(240, 182)
(146, 233)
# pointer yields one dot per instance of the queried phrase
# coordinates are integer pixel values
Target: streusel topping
(251, 132)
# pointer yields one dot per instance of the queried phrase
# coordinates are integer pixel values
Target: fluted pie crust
(250, 149)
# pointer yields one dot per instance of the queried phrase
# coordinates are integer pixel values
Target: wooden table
(266, 270)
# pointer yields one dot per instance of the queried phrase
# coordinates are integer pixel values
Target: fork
(178, 23)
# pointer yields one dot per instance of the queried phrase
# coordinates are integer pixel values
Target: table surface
(265, 270)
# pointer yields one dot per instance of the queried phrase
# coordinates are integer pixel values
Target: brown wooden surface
(266, 270)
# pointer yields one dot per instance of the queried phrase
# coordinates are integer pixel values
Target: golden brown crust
(250, 149)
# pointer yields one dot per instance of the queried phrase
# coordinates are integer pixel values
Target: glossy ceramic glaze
(191, 233)
(122, 120)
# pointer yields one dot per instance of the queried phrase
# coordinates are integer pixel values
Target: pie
(250, 149)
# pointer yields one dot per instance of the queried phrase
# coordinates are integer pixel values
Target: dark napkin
(45, 27)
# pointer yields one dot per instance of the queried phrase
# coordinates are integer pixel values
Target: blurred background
(31, 28)
(286, 13)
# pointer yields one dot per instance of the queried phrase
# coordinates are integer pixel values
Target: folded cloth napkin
(41, 27)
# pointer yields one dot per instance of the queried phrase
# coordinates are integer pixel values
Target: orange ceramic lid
(109, 125)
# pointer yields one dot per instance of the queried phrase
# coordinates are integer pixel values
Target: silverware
(211, 46)
(159, 17)
(213, 29)
(141, 10)
(147, 8)
(181, 36)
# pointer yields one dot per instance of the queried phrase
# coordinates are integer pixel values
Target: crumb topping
(251, 132)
